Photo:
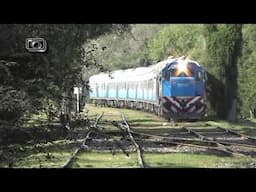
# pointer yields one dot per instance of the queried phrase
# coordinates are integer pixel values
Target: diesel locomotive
(173, 88)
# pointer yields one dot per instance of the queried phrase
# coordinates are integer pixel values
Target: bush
(13, 104)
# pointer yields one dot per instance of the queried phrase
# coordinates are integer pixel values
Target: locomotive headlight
(182, 66)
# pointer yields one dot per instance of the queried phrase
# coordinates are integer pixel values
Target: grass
(236, 125)
(119, 160)
(225, 124)
(135, 118)
(187, 160)
(156, 160)
(105, 160)
(247, 127)
(44, 155)
(54, 159)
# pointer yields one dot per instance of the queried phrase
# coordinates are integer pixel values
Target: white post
(76, 91)
(77, 103)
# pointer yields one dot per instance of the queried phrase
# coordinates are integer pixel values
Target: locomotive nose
(183, 87)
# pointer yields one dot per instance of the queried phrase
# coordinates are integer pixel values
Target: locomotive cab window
(172, 72)
(199, 76)
(189, 71)
(182, 71)
(166, 75)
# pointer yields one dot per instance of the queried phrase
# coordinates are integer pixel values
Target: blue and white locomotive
(174, 88)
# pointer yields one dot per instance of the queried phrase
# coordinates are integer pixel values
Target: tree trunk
(232, 111)
(66, 105)
(252, 113)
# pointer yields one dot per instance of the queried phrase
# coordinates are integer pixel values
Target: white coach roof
(134, 74)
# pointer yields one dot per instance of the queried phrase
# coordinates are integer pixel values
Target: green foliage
(124, 50)
(177, 40)
(12, 107)
(247, 69)
(52, 74)
(223, 51)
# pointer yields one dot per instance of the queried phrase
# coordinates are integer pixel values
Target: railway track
(199, 140)
(137, 146)
(69, 162)
(105, 139)
(119, 136)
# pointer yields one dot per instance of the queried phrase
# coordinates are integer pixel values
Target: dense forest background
(34, 82)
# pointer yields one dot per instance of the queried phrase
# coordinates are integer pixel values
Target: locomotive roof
(135, 74)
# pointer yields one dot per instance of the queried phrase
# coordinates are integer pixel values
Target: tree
(178, 40)
(223, 50)
(51, 75)
(246, 72)
(124, 50)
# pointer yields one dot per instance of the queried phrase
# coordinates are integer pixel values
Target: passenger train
(173, 88)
